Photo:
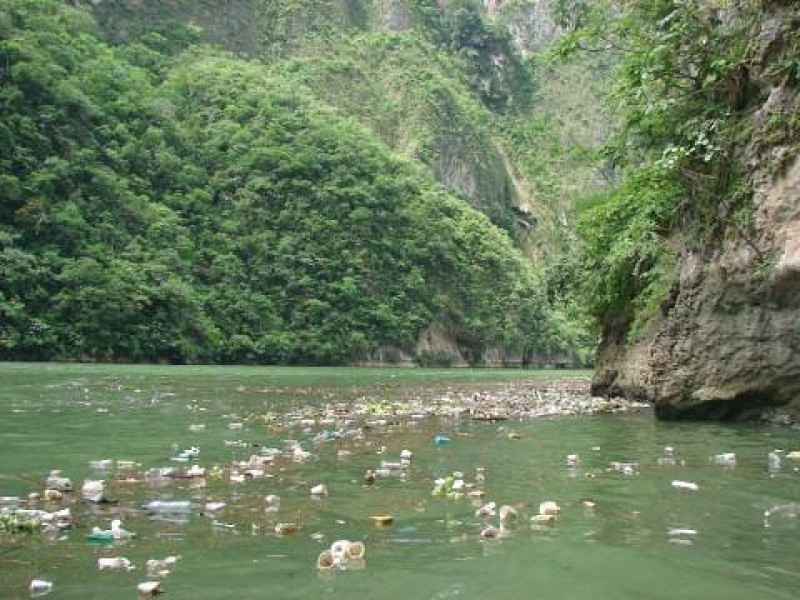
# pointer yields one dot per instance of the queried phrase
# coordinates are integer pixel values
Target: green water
(62, 416)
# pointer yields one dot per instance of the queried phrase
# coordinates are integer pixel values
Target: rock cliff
(727, 342)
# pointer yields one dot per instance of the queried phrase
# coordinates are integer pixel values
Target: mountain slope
(165, 201)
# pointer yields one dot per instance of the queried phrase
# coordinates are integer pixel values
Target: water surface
(62, 416)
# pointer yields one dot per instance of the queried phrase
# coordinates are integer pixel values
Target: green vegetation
(684, 98)
(163, 201)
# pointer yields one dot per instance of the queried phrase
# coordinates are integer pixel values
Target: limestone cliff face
(532, 24)
(727, 344)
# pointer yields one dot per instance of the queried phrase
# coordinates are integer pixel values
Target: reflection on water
(624, 531)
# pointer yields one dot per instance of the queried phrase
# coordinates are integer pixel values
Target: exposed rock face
(727, 345)
(532, 24)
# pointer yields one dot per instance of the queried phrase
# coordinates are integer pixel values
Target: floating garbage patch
(276, 484)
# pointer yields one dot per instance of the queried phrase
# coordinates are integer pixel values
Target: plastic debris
(319, 490)
(179, 509)
(55, 481)
(93, 490)
(285, 528)
(487, 510)
(626, 468)
(685, 485)
(507, 513)
(325, 561)
(774, 460)
(549, 508)
(382, 520)
(543, 519)
(161, 567)
(492, 533)
(441, 440)
(726, 459)
(108, 535)
(40, 587)
(101, 465)
(53, 496)
(10, 502)
(118, 563)
(149, 588)
(343, 554)
(678, 531)
(791, 510)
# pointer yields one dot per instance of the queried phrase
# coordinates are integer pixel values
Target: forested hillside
(308, 199)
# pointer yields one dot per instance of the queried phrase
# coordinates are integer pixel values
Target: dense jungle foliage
(165, 201)
(315, 182)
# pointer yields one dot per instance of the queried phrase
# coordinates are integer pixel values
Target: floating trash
(573, 460)
(285, 528)
(175, 511)
(21, 521)
(544, 519)
(685, 485)
(325, 561)
(40, 587)
(53, 496)
(626, 468)
(549, 508)
(774, 460)
(161, 567)
(319, 490)
(197, 428)
(149, 588)
(93, 490)
(101, 465)
(116, 533)
(678, 531)
(492, 533)
(55, 481)
(726, 459)
(791, 510)
(507, 513)
(10, 502)
(487, 510)
(118, 563)
(441, 440)
(382, 520)
(168, 507)
(793, 455)
(343, 555)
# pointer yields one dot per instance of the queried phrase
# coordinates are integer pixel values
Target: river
(625, 529)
